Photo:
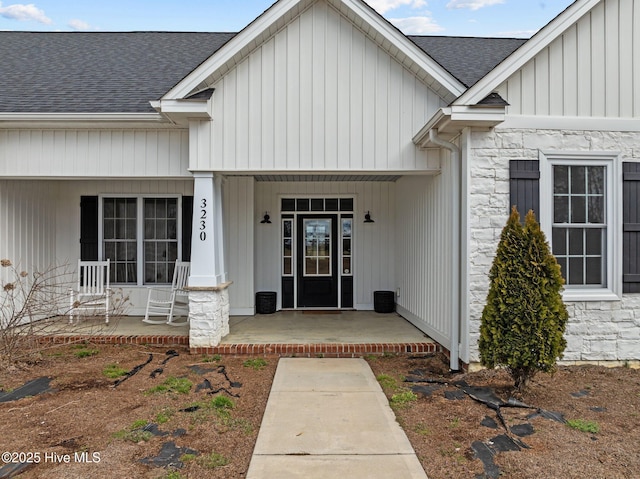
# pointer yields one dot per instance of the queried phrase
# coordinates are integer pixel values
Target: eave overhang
(181, 111)
(450, 121)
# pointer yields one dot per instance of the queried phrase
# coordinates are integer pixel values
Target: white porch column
(208, 289)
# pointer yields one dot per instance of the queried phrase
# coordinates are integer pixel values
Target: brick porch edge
(327, 350)
(330, 350)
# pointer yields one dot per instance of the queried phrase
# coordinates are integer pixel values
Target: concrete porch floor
(285, 333)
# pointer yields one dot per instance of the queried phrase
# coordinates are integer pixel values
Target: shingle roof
(467, 58)
(120, 72)
(96, 72)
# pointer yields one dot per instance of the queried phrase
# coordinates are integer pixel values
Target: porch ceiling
(298, 178)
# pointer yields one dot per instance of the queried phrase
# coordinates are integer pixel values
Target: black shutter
(89, 228)
(187, 222)
(524, 186)
(630, 228)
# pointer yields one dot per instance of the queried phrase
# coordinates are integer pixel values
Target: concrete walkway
(328, 418)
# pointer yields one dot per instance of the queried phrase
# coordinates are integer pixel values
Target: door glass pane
(324, 266)
(311, 268)
(331, 204)
(346, 246)
(287, 266)
(346, 265)
(317, 246)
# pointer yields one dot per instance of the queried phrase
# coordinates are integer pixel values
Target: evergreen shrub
(524, 319)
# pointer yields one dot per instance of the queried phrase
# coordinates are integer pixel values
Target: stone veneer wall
(208, 316)
(598, 330)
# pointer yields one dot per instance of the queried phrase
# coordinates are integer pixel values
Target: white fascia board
(75, 117)
(229, 50)
(406, 46)
(526, 52)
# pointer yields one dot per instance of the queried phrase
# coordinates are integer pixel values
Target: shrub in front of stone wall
(524, 319)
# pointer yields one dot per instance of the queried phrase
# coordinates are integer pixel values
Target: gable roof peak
(282, 12)
(526, 52)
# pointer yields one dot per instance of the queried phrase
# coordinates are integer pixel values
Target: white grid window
(140, 227)
(580, 212)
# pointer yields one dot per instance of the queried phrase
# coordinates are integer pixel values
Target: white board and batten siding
(27, 226)
(239, 230)
(374, 243)
(318, 95)
(69, 153)
(426, 252)
(591, 70)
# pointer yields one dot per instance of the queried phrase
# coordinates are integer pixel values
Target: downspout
(454, 349)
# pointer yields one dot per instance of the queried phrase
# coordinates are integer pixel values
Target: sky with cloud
(494, 18)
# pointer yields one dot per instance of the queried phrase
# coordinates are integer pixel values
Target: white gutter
(454, 348)
(85, 117)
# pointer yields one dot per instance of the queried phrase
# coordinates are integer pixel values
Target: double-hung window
(580, 211)
(140, 235)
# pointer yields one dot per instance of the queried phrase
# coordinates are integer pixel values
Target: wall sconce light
(367, 218)
(266, 219)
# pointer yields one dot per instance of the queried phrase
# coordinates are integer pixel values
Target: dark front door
(317, 260)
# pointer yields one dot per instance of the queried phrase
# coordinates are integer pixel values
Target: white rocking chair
(167, 302)
(92, 291)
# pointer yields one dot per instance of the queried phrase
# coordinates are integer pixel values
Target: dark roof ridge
(468, 37)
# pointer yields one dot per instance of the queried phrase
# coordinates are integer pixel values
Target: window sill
(589, 295)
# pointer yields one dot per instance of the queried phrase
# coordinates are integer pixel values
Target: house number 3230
(203, 219)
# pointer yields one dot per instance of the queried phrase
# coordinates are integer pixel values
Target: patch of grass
(422, 429)
(387, 382)
(171, 385)
(389, 355)
(174, 475)
(113, 371)
(584, 425)
(403, 399)
(138, 424)
(187, 457)
(221, 402)
(85, 353)
(212, 359)
(455, 422)
(255, 363)
(164, 416)
(134, 433)
(222, 407)
(211, 461)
